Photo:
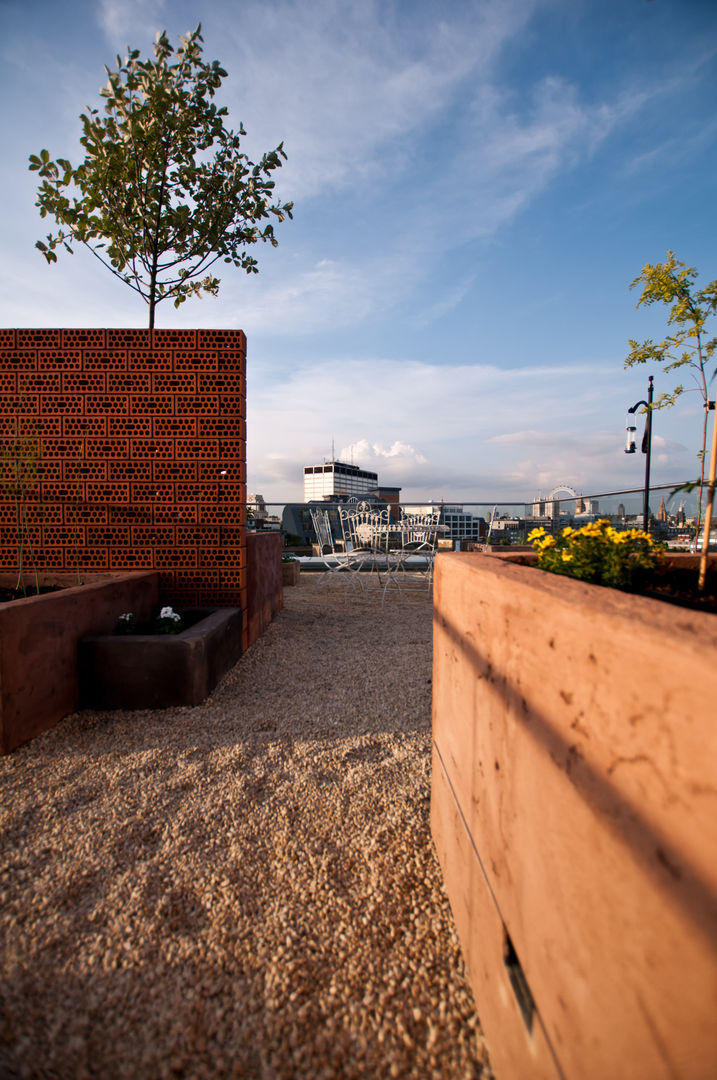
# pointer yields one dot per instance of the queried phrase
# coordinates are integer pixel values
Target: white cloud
(127, 19)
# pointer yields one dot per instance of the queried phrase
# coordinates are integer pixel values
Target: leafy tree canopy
(164, 191)
(673, 284)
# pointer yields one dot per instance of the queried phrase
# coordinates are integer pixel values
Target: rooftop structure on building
(337, 478)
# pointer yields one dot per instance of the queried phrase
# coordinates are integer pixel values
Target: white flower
(169, 613)
(127, 616)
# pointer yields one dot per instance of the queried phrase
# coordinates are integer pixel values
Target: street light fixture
(646, 447)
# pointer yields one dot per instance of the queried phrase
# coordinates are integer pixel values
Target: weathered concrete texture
(38, 645)
(574, 798)
(158, 671)
(290, 573)
(265, 594)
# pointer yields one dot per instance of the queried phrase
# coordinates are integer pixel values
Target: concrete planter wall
(574, 812)
(265, 594)
(38, 645)
(158, 671)
(290, 573)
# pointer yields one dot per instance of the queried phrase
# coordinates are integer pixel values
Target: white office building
(337, 478)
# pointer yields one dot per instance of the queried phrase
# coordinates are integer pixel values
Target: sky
(476, 183)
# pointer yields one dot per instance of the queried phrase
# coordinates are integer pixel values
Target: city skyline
(475, 188)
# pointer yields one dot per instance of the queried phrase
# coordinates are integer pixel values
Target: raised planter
(39, 637)
(144, 671)
(290, 573)
(574, 813)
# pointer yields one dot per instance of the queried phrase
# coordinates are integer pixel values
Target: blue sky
(476, 184)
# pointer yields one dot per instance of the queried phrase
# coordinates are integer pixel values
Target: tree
(164, 191)
(672, 283)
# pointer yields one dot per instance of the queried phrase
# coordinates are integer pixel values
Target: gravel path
(243, 889)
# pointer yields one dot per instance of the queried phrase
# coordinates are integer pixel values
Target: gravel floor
(243, 889)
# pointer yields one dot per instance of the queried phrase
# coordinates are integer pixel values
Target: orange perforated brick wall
(131, 445)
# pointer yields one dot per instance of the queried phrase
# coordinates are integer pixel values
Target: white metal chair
(365, 535)
(411, 565)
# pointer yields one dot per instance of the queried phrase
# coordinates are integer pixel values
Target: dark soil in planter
(17, 594)
(149, 627)
(679, 587)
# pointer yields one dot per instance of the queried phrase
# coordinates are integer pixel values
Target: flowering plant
(126, 624)
(596, 553)
(168, 622)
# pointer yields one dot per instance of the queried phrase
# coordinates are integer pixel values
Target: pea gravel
(243, 889)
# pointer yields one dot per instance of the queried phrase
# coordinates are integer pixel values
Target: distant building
(337, 478)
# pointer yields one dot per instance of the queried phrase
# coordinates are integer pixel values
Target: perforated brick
(179, 427)
(151, 535)
(86, 514)
(130, 558)
(175, 558)
(50, 558)
(198, 535)
(108, 493)
(93, 559)
(232, 535)
(39, 382)
(149, 361)
(113, 535)
(119, 427)
(89, 426)
(232, 449)
(61, 404)
(229, 382)
(106, 404)
(104, 359)
(8, 382)
(183, 382)
(47, 469)
(221, 426)
(38, 339)
(192, 361)
(129, 382)
(74, 469)
(129, 339)
(7, 338)
(152, 493)
(229, 339)
(17, 358)
(126, 514)
(173, 514)
(57, 491)
(19, 404)
(83, 382)
(152, 448)
(87, 339)
(152, 406)
(211, 472)
(225, 558)
(198, 448)
(231, 361)
(165, 471)
(65, 535)
(129, 470)
(174, 339)
(107, 448)
(208, 405)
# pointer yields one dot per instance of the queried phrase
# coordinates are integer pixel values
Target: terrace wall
(142, 462)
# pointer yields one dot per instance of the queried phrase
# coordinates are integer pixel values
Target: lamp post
(646, 447)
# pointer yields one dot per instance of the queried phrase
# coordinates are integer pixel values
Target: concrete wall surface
(265, 593)
(574, 815)
(39, 638)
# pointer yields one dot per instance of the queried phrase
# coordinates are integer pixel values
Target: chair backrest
(322, 527)
(421, 529)
(364, 528)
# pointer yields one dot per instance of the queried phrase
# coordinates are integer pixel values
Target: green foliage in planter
(597, 553)
(289, 558)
